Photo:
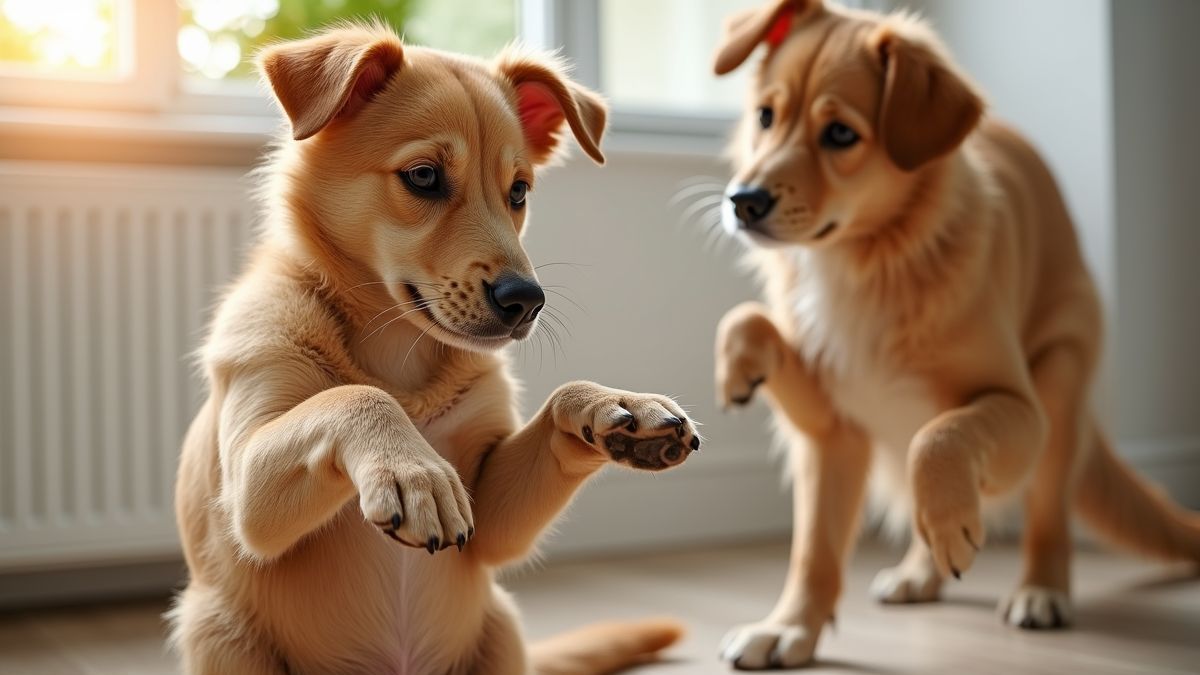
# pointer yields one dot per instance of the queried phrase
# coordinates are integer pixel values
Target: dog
(929, 323)
(360, 418)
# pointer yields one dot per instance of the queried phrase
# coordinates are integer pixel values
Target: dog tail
(1130, 512)
(604, 647)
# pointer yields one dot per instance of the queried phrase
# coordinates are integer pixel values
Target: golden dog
(927, 304)
(339, 448)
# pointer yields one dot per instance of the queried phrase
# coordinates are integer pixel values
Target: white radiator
(107, 276)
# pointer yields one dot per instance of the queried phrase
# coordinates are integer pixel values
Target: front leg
(987, 445)
(527, 479)
(285, 474)
(830, 474)
(752, 352)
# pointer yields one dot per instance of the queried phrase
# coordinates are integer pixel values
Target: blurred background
(127, 128)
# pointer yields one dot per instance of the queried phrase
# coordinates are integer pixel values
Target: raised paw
(905, 584)
(748, 347)
(947, 511)
(644, 431)
(1036, 608)
(419, 502)
(760, 646)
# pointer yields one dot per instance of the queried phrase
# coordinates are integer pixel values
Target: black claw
(741, 400)
(1027, 622)
(460, 541)
(470, 533)
(672, 421)
(588, 435)
(967, 535)
(632, 427)
(695, 444)
(432, 545)
(1058, 620)
(396, 520)
(956, 573)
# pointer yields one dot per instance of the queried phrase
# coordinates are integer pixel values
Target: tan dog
(926, 303)
(359, 414)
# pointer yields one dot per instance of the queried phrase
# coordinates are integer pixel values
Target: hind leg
(212, 640)
(915, 579)
(1060, 375)
(501, 648)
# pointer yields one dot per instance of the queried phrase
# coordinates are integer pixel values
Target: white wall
(1157, 106)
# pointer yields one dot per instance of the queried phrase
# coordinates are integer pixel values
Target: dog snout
(515, 300)
(751, 205)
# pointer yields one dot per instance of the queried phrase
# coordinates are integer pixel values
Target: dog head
(846, 113)
(410, 170)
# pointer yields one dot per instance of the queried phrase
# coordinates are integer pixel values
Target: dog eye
(517, 194)
(423, 179)
(838, 136)
(765, 117)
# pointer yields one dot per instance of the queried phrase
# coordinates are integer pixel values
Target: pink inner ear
(541, 114)
(780, 29)
(370, 80)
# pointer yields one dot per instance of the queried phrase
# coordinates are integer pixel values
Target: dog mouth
(485, 341)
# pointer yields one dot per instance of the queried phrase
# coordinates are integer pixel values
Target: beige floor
(1133, 617)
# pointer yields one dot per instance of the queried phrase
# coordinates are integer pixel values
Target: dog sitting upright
(359, 419)
(927, 303)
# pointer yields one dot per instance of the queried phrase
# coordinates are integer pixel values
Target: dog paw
(760, 646)
(947, 510)
(747, 353)
(418, 501)
(644, 431)
(902, 584)
(1037, 608)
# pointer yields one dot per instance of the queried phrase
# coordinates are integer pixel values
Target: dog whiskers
(377, 331)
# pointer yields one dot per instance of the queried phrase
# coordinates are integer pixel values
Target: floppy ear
(322, 77)
(747, 29)
(928, 107)
(545, 99)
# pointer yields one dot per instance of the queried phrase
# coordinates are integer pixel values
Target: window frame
(154, 92)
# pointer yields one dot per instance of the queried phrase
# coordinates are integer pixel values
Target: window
(217, 37)
(190, 60)
(656, 56)
(78, 37)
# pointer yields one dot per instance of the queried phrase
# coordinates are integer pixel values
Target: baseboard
(65, 586)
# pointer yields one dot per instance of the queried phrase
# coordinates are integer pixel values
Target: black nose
(515, 300)
(751, 205)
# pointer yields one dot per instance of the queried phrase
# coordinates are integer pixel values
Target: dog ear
(928, 106)
(545, 99)
(321, 78)
(749, 28)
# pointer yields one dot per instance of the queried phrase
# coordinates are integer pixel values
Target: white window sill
(632, 134)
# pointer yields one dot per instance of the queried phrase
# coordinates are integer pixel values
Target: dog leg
(527, 479)
(751, 352)
(287, 474)
(830, 477)
(915, 579)
(1060, 375)
(213, 640)
(988, 444)
(501, 649)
